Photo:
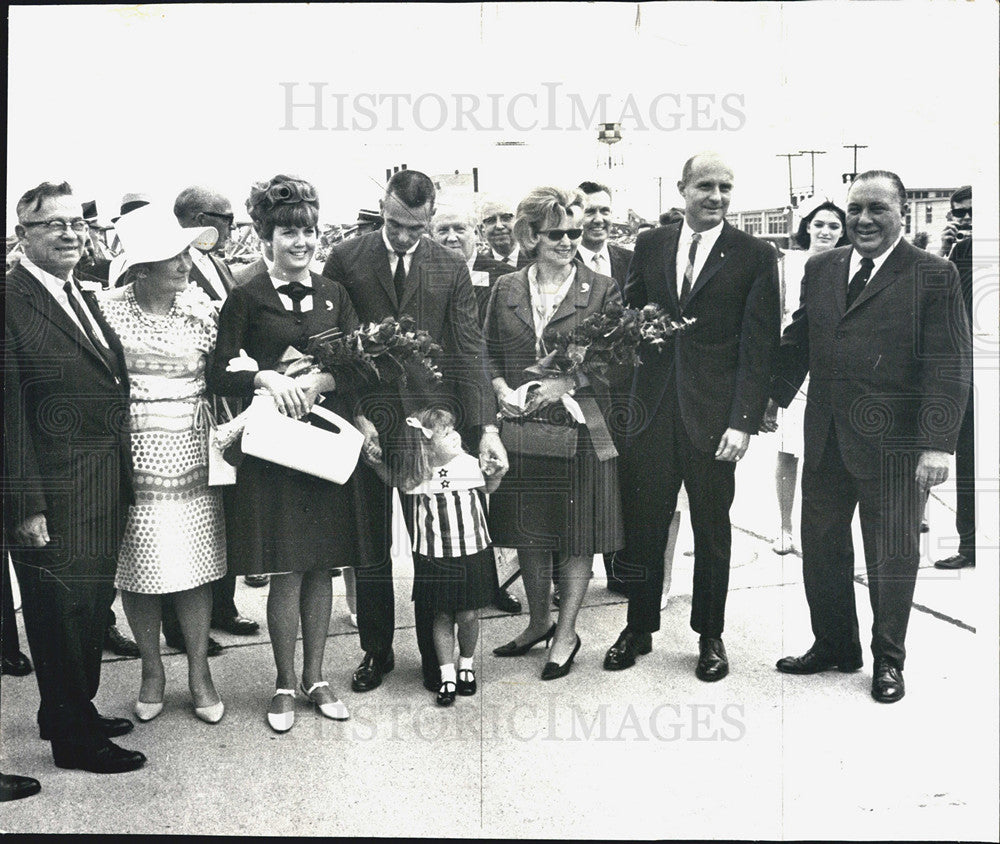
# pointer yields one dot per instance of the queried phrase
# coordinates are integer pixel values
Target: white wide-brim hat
(151, 234)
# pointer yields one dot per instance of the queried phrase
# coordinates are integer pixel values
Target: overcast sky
(153, 98)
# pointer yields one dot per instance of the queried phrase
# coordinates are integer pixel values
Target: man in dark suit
(596, 252)
(392, 272)
(882, 332)
(694, 405)
(958, 240)
(198, 206)
(67, 476)
(497, 221)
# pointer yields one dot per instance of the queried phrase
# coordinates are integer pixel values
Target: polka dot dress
(175, 536)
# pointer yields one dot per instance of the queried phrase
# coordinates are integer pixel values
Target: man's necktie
(296, 291)
(399, 277)
(84, 319)
(599, 263)
(860, 280)
(689, 269)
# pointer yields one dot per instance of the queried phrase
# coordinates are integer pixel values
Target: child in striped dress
(453, 568)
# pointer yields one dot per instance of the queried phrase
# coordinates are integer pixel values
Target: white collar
(588, 255)
(392, 249)
(512, 258)
(708, 237)
(878, 262)
(41, 275)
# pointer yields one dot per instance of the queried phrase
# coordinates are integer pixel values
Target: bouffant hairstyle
(282, 201)
(543, 208)
(802, 237)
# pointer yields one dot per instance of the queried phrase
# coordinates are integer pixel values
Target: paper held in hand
(328, 446)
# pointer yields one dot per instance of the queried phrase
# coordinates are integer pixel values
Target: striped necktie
(689, 269)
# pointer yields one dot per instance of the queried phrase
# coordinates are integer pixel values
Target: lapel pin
(584, 287)
(329, 306)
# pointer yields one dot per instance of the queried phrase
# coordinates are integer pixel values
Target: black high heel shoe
(553, 671)
(514, 649)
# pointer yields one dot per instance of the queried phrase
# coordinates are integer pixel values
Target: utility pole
(849, 177)
(789, 156)
(812, 153)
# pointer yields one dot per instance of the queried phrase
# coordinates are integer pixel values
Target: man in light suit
(67, 476)
(392, 272)
(882, 331)
(194, 207)
(694, 405)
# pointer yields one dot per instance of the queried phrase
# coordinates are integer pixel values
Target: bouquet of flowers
(384, 353)
(605, 341)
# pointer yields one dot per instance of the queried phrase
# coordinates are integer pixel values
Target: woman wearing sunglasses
(559, 502)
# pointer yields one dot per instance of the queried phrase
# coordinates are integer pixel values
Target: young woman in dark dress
(293, 526)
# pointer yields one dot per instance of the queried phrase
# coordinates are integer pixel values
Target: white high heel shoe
(147, 711)
(211, 714)
(281, 722)
(336, 711)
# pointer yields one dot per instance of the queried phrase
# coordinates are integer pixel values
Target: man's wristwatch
(490, 429)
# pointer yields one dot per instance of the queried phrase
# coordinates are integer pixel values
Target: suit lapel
(414, 278)
(382, 270)
(669, 256)
(715, 261)
(225, 275)
(886, 275)
(520, 300)
(44, 303)
(841, 270)
(578, 296)
(198, 277)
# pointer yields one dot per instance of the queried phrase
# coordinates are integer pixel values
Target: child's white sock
(448, 673)
(465, 663)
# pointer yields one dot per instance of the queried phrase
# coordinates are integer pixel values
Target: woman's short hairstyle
(282, 201)
(543, 208)
(802, 237)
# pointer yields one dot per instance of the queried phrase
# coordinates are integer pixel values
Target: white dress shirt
(307, 301)
(55, 286)
(603, 264)
(705, 245)
(208, 269)
(509, 259)
(878, 262)
(394, 258)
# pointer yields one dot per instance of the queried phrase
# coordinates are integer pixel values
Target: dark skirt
(280, 520)
(454, 584)
(571, 507)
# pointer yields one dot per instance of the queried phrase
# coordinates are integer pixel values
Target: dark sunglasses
(555, 235)
(959, 213)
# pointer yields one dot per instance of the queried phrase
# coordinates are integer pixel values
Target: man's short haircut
(689, 164)
(962, 194)
(594, 187)
(194, 199)
(33, 199)
(897, 182)
(411, 187)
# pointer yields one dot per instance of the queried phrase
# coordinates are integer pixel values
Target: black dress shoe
(466, 684)
(214, 648)
(812, 662)
(622, 653)
(955, 561)
(256, 580)
(109, 758)
(505, 602)
(17, 666)
(368, 675)
(887, 681)
(118, 643)
(553, 671)
(446, 693)
(514, 649)
(712, 661)
(237, 625)
(114, 727)
(13, 787)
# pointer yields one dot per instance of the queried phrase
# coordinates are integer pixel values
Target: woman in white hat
(175, 537)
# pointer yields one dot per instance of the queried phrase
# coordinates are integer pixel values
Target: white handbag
(330, 452)
(220, 471)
